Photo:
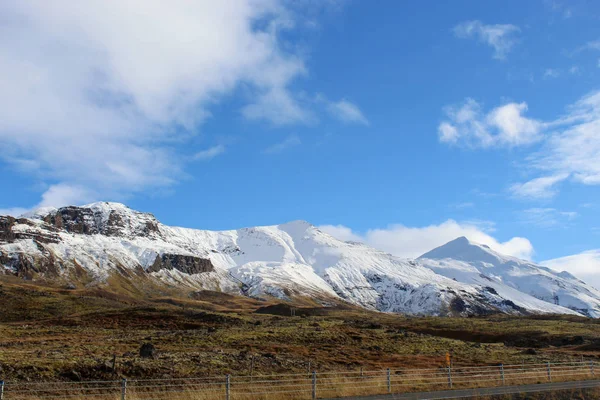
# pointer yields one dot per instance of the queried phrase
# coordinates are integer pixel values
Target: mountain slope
(473, 263)
(91, 244)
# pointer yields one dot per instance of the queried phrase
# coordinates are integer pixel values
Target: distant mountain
(104, 243)
(477, 264)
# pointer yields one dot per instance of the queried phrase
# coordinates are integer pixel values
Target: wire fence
(312, 385)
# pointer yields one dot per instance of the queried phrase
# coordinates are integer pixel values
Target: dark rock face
(8, 235)
(6, 232)
(513, 306)
(187, 264)
(73, 220)
(100, 219)
(86, 221)
(28, 267)
(117, 225)
(458, 305)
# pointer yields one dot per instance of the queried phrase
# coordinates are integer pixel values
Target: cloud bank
(96, 97)
(584, 265)
(503, 126)
(412, 242)
(569, 146)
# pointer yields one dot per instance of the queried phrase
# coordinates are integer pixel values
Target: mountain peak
(460, 239)
(299, 223)
(104, 207)
(463, 249)
(39, 213)
(107, 218)
(107, 204)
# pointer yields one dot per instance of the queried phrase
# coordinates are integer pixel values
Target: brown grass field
(59, 335)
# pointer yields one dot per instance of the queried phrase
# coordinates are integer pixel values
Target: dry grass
(290, 387)
(54, 334)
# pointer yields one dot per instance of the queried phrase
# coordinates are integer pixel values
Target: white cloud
(585, 266)
(94, 95)
(342, 232)
(290, 141)
(278, 107)
(570, 143)
(448, 133)
(347, 112)
(538, 188)
(412, 242)
(13, 212)
(63, 194)
(551, 73)
(502, 126)
(575, 148)
(342, 110)
(210, 153)
(501, 37)
(547, 217)
(57, 195)
(591, 45)
(513, 128)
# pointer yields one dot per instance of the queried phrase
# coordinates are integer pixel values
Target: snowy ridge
(474, 263)
(285, 261)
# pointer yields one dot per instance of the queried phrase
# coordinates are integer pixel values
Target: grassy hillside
(52, 333)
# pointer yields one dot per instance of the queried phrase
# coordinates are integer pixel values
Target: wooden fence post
(389, 381)
(502, 374)
(549, 371)
(450, 377)
(314, 385)
(123, 389)
(227, 387)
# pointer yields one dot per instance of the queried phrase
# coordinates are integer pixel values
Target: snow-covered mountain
(477, 264)
(90, 244)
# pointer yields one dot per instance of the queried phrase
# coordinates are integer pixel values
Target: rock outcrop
(73, 220)
(6, 232)
(107, 219)
(182, 263)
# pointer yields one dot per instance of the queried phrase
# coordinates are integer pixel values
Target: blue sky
(403, 124)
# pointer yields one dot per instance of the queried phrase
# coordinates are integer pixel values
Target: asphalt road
(466, 393)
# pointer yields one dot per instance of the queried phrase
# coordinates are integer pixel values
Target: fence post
(123, 389)
(389, 381)
(502, 374)
(549, 371)
(450, 377)
(314, 384)
(1, 390)
(227, 387)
